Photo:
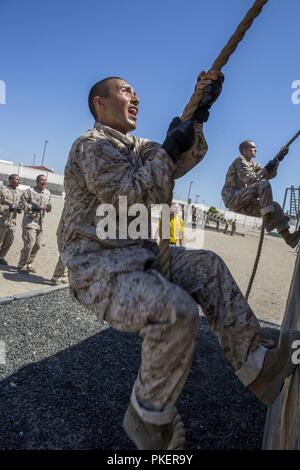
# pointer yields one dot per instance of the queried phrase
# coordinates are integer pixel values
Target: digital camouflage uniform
(119, 279)
(8, 219)
(247, 191)
(60, 270)
(32, 224)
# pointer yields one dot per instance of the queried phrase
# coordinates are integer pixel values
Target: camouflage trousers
(255, 200)
(165, 315)
(32, 239)
(7, 235)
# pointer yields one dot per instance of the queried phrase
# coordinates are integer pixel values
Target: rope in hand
(222, 59)
(203, 95)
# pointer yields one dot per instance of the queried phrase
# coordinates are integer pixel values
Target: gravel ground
(67, 382)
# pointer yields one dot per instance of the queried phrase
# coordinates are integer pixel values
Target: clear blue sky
(53, 51)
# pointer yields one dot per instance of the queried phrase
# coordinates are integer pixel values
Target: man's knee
(277, 207)
(211, 258)
(280, 215)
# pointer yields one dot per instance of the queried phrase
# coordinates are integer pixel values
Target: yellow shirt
(176, 229)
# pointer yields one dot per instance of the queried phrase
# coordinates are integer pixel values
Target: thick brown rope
(198, 95)
(292, 139)
(260, 244)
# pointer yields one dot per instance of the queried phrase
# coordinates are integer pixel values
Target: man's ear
(98, 102)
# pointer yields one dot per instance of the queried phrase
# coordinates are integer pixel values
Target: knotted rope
(199, 96)
(293, 138)
(255, 266)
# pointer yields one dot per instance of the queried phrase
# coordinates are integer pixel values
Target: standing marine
(10, 197)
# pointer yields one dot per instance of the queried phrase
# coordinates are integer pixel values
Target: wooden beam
(282, 429)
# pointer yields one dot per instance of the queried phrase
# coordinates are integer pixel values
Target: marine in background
(10, 197)
(247, 190)
(36, 202)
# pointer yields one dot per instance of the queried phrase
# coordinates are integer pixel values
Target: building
(28, 176)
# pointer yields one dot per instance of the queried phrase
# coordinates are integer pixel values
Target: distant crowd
(34, 203)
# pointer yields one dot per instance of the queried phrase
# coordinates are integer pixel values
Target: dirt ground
(269, 292)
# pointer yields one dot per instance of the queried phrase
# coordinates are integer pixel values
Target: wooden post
(282, 429)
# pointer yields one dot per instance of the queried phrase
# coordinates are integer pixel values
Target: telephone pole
(46, 142)
(188, 198)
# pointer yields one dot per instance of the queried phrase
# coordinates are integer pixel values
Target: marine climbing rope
(278, 158)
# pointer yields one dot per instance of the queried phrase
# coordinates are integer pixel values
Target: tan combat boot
(148, 436)
(30, 268)
(65, 279)
(22, 269)
(276, 367)
(291, 239)
(56, 281)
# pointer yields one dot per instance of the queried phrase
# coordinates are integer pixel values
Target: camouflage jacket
(33, 196)
(104, 164)
(242, 173)
(8, 196)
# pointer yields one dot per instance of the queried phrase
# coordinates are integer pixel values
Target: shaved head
(101, 89)
(246, 144)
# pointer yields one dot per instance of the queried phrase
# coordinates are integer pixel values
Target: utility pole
(188, 198)
(46, 142)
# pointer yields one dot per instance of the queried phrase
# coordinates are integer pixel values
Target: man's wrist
(172, 149)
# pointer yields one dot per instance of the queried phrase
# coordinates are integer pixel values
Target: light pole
(197, 195)
(46, 142)
(34, 156)
(188, 198)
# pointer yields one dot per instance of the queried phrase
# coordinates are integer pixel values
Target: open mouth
(132, 111)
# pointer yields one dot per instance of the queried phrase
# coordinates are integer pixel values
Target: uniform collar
(39, 190)
(110, 132)
(245, 159)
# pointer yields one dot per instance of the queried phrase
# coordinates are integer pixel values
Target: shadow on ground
(76, 398)
(8, 267)
(26, 277)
